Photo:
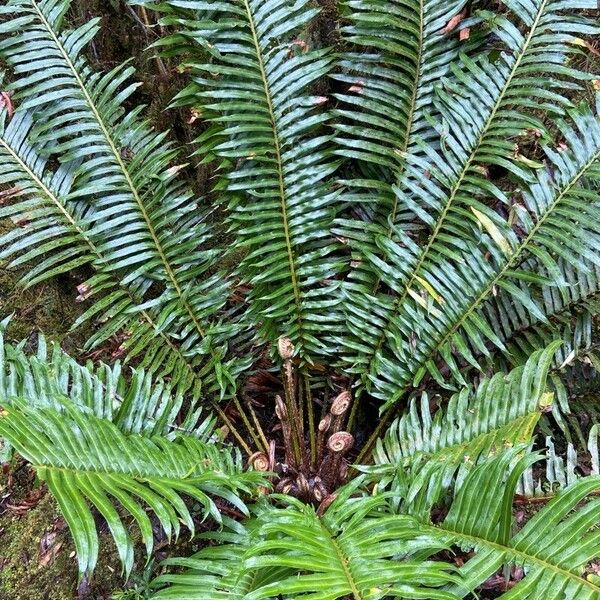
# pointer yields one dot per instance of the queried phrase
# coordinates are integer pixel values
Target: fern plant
(415, 225)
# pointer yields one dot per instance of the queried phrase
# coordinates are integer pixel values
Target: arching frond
(219, 571)
(349, 552)
(553, 547)
(358, 549)
(135, 404)
(447, 192)
(549, 228)
(142, 220)
(47, 231)
(87, 460)
(569, 311)
(252, 75)
(396, 54)
(94, 448)
(421, 456)
(54, 230)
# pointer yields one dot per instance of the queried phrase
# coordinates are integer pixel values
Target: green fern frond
(85, 459)
(359, 549)
(569, 310)
(397, 53)
(135, 404)
(561, 471)
(252, 76)
(446, 191)
(352, 551)
(554, 546)
(94, 448)
(548, 222)
(54, 230)
(50, 232)
(218, 571)
(421, 457)
(144, 222)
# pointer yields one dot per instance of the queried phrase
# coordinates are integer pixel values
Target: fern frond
(93, 449)
(568, 308)
(352, 551)
(144, 222)
(397, 53)
(550, 230)
(215, 573)
(446, 193)
(85, 459)
(47, 219)
(54, 230)
(347, 552)
(255, 90)
(554, 546)
(135, 404)
(49, 232)
(359, 549)
(561, 471)
(421, 457)
(219, 571)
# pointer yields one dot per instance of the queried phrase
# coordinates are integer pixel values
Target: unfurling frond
(95, 449)
(253, 71)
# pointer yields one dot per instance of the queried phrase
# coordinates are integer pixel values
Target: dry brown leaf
(5, 101)
(454, 22)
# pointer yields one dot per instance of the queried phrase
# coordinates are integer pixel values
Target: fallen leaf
(6, 102)
(194, 116)
(301, 44)
(454, 22)
(49, 548)
(172, 171)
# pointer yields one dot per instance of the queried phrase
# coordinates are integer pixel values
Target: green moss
(26, 576)
(37, 554)
(22, 576)
(49, 307)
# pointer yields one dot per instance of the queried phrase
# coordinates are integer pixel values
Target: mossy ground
(37, 560)
(48, 307)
